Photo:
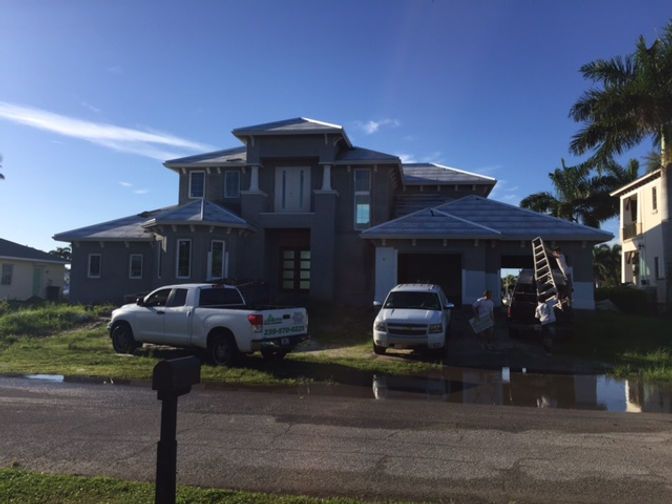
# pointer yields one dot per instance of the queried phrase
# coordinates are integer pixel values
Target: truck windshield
(419, 300)
(220, 297)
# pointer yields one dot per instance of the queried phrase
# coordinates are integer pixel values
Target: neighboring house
(315, 218)
(642, 244)
(27, 272)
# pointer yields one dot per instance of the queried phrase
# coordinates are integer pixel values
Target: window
(217, 259)
(292, 189)
(7, 272)
(232, 184)
(656, 268)
(654, 199)
(362, 198)
(94, 269)
(177, 298)
(196, 184)
(158, 298)
(183, 259)
(218, 296)
(135, 266)
(296, 269)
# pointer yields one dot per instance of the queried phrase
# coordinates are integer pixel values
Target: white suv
(412, 316)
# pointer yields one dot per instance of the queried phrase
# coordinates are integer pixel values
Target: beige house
(26, 272)
(642, 244)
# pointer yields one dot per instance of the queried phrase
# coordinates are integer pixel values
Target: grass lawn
(633, 344)
(26, 347)
(26, 487)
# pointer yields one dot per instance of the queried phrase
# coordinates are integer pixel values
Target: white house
(26, 272)
(642, 244)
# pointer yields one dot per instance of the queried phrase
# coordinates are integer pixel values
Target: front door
(37, 281)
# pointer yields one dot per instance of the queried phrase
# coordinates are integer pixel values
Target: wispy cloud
(130, 186)
(406, 158)
(90, 107)
(504, 191)
(370, 127)
(152, 144)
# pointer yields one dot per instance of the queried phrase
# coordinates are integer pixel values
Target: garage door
(442, 269)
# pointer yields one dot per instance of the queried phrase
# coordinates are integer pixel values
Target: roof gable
(233, 156)
(17, 251)
(293, 126)
(198, 212)
(356, 155)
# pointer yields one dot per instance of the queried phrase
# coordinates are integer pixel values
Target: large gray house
(300, 209)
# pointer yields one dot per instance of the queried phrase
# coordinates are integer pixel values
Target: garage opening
(442, 269)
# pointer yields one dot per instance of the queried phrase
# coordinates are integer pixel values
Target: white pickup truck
(212, 317)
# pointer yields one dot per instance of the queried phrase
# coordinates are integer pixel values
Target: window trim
(10, 266)
(226, 185)
(130, 266)
(159, 258)
(177, 257)
(100, 265)
(191, 173)
(356, 193)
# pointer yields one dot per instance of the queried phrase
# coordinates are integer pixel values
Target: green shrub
(628, 299)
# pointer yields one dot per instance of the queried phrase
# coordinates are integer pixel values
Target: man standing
(485, 309)
(545, 313)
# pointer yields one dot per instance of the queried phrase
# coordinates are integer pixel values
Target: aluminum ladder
(543, 274)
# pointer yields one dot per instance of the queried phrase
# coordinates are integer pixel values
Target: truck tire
(378, 350)
(222, 350)
(123, 341)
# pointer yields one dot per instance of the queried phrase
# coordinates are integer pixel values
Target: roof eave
(644, 179)
(32, 259)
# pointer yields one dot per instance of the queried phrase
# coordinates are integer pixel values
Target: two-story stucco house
(298, 207)
(642, 242)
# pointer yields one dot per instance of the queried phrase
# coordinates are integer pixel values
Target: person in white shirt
(545, 313)
(484, 307)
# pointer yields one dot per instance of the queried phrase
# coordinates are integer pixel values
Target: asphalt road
(337, 445)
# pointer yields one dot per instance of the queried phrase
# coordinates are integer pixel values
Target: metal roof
(356, 155)
(234, 157)
(430, 223)
(198, 212)
(293, 125)
(474, 217)
(12, 250)
(136, 227)
(436, 174)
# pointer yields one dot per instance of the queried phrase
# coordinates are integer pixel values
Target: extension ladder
(543, 274)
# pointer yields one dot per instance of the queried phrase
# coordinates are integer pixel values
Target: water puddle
(502, 387)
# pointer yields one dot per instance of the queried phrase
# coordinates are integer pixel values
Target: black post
(166, 452)
(171, 378)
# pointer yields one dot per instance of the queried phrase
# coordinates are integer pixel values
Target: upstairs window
(7, 273)
(135, 266)
(362, 198)
(196, 184)
(94, 268)
(232, 184)
(654, 199)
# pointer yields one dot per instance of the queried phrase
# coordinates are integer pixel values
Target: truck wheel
(221, 350)
(378, 350)
(123, 341)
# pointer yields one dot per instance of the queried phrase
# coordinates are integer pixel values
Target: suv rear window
(220, 297)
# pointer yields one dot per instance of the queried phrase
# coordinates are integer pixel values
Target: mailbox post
(171, 379)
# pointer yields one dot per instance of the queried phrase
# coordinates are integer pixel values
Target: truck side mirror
(377, 305)
(449, 306)
(140, 301)
(176, 376)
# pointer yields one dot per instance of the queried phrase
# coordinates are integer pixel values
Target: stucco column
(326, 177)
(254, 179)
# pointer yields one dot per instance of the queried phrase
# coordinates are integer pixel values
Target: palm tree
(607, 265)
(580, 197)
(2, 177)
(631, 102)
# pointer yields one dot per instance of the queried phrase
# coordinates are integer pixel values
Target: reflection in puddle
(470, 386)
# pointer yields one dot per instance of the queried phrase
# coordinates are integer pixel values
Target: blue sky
(94, 95)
